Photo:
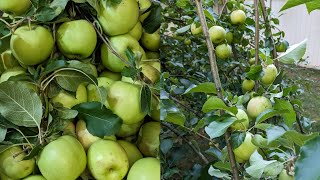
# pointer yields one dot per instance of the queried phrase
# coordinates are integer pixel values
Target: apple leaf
(257, 165)
(45, 14)
(183, 29)
(217, 128)
(293, 3)
(84, 67)
(71, 79)
(313, 5)
(153, 21)
(100, 121)
(95, 4)
(305, 166)
(289, 116)
(145, 95)
(207, 87)
(294, 53)
(214, 103)
(19, 104)
(255, 72)
(59, 6)
(54, 65)
(169, 112)
(268, 113)
(237, 139)
(217, 173)
(274, 132)
(34, 152)
(66, 113)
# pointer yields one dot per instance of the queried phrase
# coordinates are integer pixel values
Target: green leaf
(100, 121)
(217, 173)
(255, 72)
(3, 132)
(182, 3)
(207, 87)
(274, 133)
(269, 113)
(218, 128)
(153, 21)
(70, 79)
(293, 3)
(20, 105)
(273, 169)
(95, 4)
(171, 113)
(145, 103)
(299, 138)
(54, 65)
(237, 139)
(313, 5)
(257, 165)
(45, 14)
(183, 29)
(34, 152)
(306, 166)
(294, 53)
(131, 57)
(214, 103)
(66, 113)
(289, 116)
(84, 67)
(59, 6)
(131, 72)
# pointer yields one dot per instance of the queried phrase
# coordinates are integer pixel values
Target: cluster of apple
(133, 151)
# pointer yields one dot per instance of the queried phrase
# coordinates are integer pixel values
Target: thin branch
(216, 78)
(199, 115)
(256, 38)
(167, 125)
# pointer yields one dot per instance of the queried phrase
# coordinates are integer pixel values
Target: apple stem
(216, 78)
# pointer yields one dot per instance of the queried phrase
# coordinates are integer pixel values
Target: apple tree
(228, 109)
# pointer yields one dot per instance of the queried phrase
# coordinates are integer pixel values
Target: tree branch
(256, 38)
(216, 78)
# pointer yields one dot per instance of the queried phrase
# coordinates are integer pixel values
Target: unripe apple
(285, 176)
(12, 72)
(148, 140)
(238, 17)
(151, 41)
(150, 72)
(131, 81)
(68, 101)
(35, 177)
(245, 150)
(252, 61)
(119, 18)
(132, 151)
(111, 75)
(194, 29)
(129, 129)
(282, 46)
(152, 54)
(76, 39)
(257, 105)
(93, 93)
(270, 74)
(4, 177)
(144, 5)
(145, 169)
(32, 44)
(247, 85)
(16, 7)
(244, 124)
(229, 37)
(7, 61)
(124, 101)
(223, 51)
(155, 111)
(107, 160)
(69, 129)
(120, 44)
(136, 31)
(12, 164)
(217, 34)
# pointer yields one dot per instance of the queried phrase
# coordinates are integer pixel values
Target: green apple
(68, 101)
(93, 94)
(15, 167)
(124, 101)
(63, 158)
(151, 41)
(16, 7)
(252, 61)
(144, 5)
(152, 54)
(217, 34)
(132, 151)
(155, 64)
(111, 75)
(129, 129)
(131, 81)
(76, 39)
(269, 74)
(229, 37)
(257, 105)
(285, 176)
(107, 160)
(247, 85)
(243, 123)
(155, 111)
(150, 72)
(7, 61)
(194, 29)
(120, 44)
(12, 72)
(223, 51)
(282, 46)
(187, 41)
(148, 140)
(238, 17)
(145, 169)
(117, 19)
(31, 45)
(35, 177)
(4, 177)
(69, 129)
(136, 31)
(245, 150)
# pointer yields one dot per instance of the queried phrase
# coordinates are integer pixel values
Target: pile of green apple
(131, 153)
